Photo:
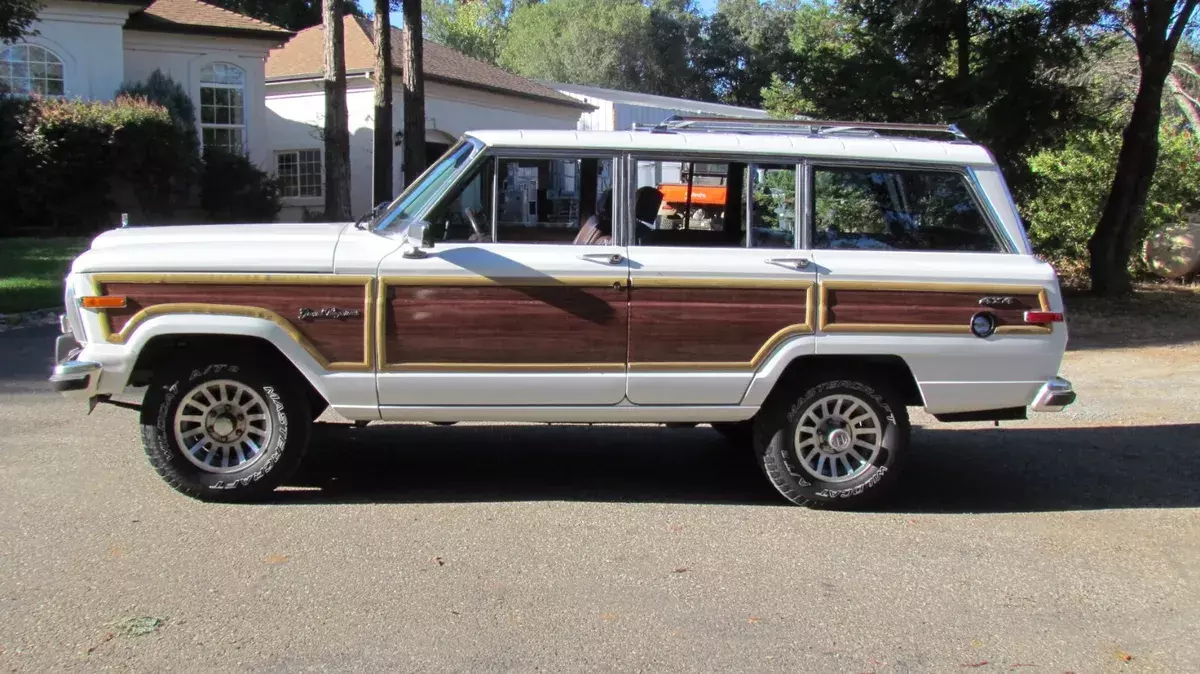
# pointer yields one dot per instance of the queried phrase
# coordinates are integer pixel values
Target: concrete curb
(28, 319)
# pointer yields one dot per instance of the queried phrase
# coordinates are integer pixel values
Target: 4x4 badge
(997, 301)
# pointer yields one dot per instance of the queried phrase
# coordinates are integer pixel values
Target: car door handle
(603, 258)
(794, 262)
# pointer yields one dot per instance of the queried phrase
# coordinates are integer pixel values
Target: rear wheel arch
(163, 350)
(886, 370)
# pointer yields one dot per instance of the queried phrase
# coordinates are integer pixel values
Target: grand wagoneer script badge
(328, 312)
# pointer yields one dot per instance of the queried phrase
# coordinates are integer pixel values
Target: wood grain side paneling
(856, 307)
(711, 325)
(336, 340)
(431, 326)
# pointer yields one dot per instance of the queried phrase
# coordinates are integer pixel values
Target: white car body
(955, 371)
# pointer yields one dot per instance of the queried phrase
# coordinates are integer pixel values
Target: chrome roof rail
(811, 127)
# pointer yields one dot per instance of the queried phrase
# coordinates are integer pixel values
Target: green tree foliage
(745, 43)
(477, 29)
(996, 69)
(290, 14)
(622, 44)
(16, 17)
(1072, 184)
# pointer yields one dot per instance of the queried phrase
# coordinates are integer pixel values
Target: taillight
(1043, 317)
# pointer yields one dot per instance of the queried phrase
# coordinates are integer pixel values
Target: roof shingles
(303, 56)
(196, 16)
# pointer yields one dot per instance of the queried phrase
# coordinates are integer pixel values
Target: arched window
(30, 69)
(222, 107)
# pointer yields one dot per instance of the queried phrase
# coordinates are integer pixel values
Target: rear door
(907, 258)
(718, 280)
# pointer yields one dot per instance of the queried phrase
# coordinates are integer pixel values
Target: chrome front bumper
(75, 375)
(1054, 396)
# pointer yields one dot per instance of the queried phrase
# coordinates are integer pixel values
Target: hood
(295, 248)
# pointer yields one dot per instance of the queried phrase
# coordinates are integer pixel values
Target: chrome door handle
(604, 258)
(795, 262)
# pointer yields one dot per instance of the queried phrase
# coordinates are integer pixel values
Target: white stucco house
(89, 48)
(615, 110)
(461, 94)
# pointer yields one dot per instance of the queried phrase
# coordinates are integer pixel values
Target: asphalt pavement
(1067, 543)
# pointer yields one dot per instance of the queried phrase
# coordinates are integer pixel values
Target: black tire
(287, 408)
(738, 433)
(775, 428)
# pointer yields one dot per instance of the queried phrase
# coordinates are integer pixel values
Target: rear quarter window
(898, 209)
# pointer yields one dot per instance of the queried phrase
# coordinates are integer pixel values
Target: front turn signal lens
(103, 302)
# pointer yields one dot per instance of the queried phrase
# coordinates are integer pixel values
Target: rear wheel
(224, 431)
(837, 443)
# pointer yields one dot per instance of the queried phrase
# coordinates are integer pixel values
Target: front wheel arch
(164, 350)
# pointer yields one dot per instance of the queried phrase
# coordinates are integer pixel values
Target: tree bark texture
(382, 184)
(337, 133)
(414, 92)
(1113, 241)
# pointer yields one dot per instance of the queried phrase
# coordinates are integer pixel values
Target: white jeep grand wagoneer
(797, 285)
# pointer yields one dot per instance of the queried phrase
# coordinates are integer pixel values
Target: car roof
(873, 148)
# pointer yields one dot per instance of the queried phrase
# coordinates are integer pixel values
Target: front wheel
(838, 443)
(223, 430)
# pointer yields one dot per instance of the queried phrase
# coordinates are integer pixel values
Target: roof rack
(813, 127)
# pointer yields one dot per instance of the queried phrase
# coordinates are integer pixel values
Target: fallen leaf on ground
(139, 626)
(676, 528)
(976, 643)
(682, 569)
(753, 620)
(276, 559)
(1123, 656)
(606, 617)
(116, 552)
(440, 561)
(975, 664)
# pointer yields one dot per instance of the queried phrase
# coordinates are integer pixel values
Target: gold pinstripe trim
(931, 328)
(213, 309)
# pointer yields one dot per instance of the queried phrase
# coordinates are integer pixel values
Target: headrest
(646, 206)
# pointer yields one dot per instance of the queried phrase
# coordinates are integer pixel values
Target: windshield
(425, 191)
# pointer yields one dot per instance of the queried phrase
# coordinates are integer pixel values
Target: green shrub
(160, 89)
(233, 189)
(64, 158)
(1072, 183)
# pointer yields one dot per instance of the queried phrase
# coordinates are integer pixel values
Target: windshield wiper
(369, 217)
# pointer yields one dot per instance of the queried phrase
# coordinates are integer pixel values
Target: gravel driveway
(1067, 543)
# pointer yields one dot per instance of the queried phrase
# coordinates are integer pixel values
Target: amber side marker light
(102, 302)
(1043, 317)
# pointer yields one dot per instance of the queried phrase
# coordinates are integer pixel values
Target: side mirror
(414, 240)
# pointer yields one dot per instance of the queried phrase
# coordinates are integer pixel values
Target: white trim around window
(301, 173)
(31, 70)
(223, 107)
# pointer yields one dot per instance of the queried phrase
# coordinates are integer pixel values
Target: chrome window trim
(632, 157)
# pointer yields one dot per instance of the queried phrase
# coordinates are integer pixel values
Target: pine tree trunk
(337, 133)
(414, 92)
(382, 188)
(1116, 234)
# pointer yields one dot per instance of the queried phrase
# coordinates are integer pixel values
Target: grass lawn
(32, 271)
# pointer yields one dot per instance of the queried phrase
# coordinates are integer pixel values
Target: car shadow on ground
(1010, 469)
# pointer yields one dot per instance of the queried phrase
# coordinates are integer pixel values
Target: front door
(718, 281)
(515, 304)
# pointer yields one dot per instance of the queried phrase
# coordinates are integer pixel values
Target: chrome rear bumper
(1054, 396)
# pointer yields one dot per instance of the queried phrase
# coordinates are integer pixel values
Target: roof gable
(195, 16)
(303, 56)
